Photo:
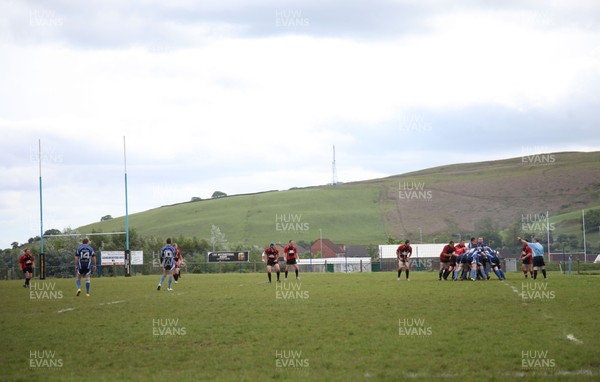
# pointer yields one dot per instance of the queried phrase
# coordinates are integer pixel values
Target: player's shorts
(538, 261)
(527, 260)
(177, 264)
(445, 260)
(291, 261)
(484, 261)
(84, 271)
(169, 267)
(272, 263)
(402, 262)
(28, 269)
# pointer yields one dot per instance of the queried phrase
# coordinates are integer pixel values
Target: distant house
(357, 251)
(329, 248)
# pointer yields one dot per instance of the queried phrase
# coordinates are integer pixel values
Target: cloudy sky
(247, 96)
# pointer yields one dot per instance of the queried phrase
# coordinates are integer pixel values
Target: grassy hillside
(439, 201)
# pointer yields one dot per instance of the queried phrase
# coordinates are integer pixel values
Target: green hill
(436, 202)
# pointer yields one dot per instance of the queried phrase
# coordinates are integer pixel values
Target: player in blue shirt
(494, 260)
(167, 260)
(85, 264)
(474, 259)
(483, 258)
(538, 256)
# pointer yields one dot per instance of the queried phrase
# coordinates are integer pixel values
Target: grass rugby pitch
(346, 327)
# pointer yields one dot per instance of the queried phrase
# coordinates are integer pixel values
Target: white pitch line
(111, 302)
(65, 310)
(572, 338)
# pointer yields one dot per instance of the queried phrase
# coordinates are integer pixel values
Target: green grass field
(330, 327)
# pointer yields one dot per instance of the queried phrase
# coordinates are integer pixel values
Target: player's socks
(296, 273)
(78, 283)
(455, 275)
(544, 272)
(484, 274)
(170, 281)
(269, 274)
(176, 276)
(497, 272)
(446, 274)
(278, 275)
(534, 275)
(27, 282)
(87, 287)
(473, 274)
(440, 275)
(162, 278)
(502, 273)
(525, 273)
(399, 274)
(286, 272)
(531, 274)
(407, 274)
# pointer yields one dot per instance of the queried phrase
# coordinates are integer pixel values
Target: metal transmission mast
(333, 170)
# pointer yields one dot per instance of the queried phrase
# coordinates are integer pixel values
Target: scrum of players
(462, 261)
(470, 261)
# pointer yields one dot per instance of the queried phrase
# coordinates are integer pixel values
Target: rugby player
(403, 253)
(167, 260)
(483, 258)
(459, 260)
(526, 255)
(85, 264)
(291, 258)
(27, 264)
(446, 259)
(538, 256)
(178, 263)
(494, 260)
(272, 255)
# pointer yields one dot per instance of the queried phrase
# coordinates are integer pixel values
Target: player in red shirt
(27, 264)
(272, 255)
(291, 258)
(446, 260)
(526, 256)
(178, 263)
(403, 253)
